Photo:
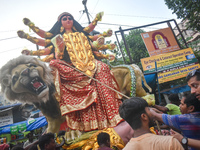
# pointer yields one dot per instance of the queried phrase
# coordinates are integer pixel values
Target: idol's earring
(61, 29)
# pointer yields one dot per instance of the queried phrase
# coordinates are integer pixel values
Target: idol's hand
(26, 52)
(111, 57)
(26, 21)
(21, 34)
(112, 46)
(99, 16)
(109, 33)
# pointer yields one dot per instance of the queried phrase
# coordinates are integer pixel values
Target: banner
(6, 117)
(21, 127)
(27, 125)
(165, 62)
(171, 66)
(176, 74)
(160, 41)
(14, 130)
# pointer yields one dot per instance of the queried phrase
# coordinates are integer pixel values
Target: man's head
(174, 99)
(189, 104)
(47, 142)
(136, 112)
(193, 80)
(103, 138)
(16, 148)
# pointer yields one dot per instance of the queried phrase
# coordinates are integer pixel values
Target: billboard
(171, 66)
(160, 41)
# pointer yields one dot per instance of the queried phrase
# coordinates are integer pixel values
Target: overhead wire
(136, 16)
(95, 6)
(87, 23)
(122, 25)
(15, 48)
(21, 29)
(9, 38)
(92, 11)
(81, 15)
(13, 37)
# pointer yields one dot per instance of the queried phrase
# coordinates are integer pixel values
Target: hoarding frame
(157, 23)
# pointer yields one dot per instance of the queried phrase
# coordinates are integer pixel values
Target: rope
(98, 81)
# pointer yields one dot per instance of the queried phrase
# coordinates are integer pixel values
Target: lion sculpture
(129, 79)
(29, 80)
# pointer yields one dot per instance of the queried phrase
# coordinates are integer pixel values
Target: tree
(187, 10)
(136, 47)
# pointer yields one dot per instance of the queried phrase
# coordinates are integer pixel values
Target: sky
(44, 13)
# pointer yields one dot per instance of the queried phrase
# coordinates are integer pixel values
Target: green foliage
(138, 50)
(136, 47)
(186, 9)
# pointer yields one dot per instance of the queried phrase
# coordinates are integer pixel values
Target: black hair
(197, 74)
(55, 30)
(45, 139)
(131, 110)
(17, 148)
(33, 147)
(174, 98)
(191, 100)
(103, 138)
(185, 94)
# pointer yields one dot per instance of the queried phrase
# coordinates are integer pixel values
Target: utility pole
(86, 10)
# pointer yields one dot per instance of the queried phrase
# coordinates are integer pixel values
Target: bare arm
(156, 116)
(30, 145)
(161, 108)
(194, 143)
(37, 30)
(93, 24)
(191, 142)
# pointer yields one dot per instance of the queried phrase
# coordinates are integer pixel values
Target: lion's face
(26, 79)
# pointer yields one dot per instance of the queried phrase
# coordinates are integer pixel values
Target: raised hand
(109, 33)
(26, 21)
(21, 34)
(99, 16)
(26, 52)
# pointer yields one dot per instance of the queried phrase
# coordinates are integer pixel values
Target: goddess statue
(73, 56)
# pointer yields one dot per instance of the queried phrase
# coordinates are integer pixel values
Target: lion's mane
(5, 73)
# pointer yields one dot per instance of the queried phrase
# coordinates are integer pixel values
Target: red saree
(87, 104)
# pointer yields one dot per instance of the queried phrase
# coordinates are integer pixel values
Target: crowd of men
(187, 124)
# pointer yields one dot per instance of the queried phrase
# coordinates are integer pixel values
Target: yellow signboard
(176, 74)
(160, 41)
(169, 60)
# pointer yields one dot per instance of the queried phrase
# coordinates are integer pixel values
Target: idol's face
(67, 22)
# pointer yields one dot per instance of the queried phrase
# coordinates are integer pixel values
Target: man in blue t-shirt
(189, 122)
